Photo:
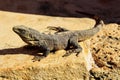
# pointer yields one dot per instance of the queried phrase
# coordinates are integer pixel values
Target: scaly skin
(66, 39)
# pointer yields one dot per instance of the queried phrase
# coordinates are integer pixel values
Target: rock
(105, 48)
(16, 61)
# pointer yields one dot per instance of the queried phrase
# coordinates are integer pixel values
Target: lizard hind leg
(57, 29)
(76, 48)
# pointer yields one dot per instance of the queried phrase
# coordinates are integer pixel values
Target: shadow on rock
(21, 50)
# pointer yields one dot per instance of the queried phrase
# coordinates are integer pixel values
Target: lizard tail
(99, 23)
(94, 16)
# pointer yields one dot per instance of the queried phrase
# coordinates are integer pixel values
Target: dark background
(108, 10)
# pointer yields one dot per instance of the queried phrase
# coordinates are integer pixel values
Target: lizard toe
(37, 58)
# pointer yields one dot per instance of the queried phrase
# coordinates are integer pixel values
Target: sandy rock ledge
(15, 60)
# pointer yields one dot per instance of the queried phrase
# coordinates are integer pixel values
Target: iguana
(65, 39)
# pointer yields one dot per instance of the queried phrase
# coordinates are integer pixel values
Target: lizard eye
(22, 31)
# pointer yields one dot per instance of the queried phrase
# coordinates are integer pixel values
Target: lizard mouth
(15, 30)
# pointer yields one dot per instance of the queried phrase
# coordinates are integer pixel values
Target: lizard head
(28, 35)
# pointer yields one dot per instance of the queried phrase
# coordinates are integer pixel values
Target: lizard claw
(37, 58)
(77, 54)
(69, 52)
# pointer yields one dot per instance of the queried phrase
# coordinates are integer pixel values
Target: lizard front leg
(76, 48)
(45, 53)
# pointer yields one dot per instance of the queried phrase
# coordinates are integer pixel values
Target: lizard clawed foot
(77, 54)
(37, 58)
(68, 53)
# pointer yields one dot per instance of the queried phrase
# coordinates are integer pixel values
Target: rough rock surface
(105, 47)
(15, 59)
